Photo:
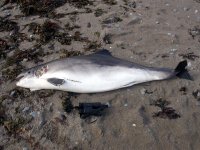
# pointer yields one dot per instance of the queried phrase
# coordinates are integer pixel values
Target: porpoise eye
(29, 72)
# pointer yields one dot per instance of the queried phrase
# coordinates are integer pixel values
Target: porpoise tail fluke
(182, 72)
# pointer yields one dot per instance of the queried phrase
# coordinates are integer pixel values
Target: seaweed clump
(80, 3)
(46, 31)
(3, 48)
(38, 7)
(195, 32)
(11, 74)
(29, 54)
(98, 12)
(110, 2)
(166, 112)
(190, 56)
(196, 94)
(67, 104)
(66, 53)
(8, 25)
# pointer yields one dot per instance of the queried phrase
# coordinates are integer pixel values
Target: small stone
(33, 114)
(12, 93)
(134, 125)
(143, 91)
(196, 11)
(25, 60)
(189, 64)
(134, 20)
(31, 36)
(157, 22)
(26, 109)
(24, 148)
(185, 9)
(125, 105)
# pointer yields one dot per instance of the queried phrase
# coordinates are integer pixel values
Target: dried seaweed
(99, 12)
(11, 74)
(112, 19)
(14, 126)
(45, 93)
(190, 56)
(63, 38)
(66, 53)
(3, 48)
(196, 94)
(131, 4)
(80, 3)
(70, 27)
(39, 7)
(110, 2)
(67, 104)
(29, 54)
(194, 32)
(8, 25)
(166, 112)
(107, 39)
(92, 45)
(48, 31)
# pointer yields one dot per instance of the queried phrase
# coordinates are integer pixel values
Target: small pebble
(196, 11)
(185, 9)
(31, 36)
(125, 105)
(143, 91)
(189, 64)
(134, 125)
(26, 109)
(157, 22)
(33, 114)
(12, 93)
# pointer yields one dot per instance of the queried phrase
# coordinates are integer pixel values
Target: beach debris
(90, 109)
(166, 112)
(190, 56)
(85, 109)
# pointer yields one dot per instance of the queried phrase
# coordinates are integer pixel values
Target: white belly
(100, 81)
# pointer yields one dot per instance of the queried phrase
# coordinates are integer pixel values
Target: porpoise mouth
(19, 77)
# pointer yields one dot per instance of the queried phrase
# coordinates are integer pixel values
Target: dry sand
(154, 33)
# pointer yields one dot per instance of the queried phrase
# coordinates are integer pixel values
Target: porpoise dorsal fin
(103, 52)
(56, 81)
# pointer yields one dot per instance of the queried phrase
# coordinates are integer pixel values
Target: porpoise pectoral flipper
(56, 81)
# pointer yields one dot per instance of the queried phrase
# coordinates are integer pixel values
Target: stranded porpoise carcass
(98, 72)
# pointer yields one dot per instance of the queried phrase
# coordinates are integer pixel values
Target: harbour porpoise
(97, 72)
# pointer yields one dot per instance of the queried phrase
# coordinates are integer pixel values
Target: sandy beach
(150, 116)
